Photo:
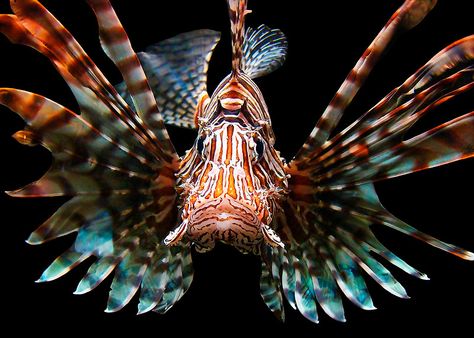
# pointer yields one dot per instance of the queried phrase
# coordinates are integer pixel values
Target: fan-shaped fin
(153, 283)
(58, 129)
(288, 279)
(65, 220)
(305, 296)
(447, 74)
(174, 287)
(63, 264)
(264, 51)
(373, 268)
(96, 274)
(115, 42)
(406, 17)
(128, 276)
(176, 69)
(270, 282)
(325, 287)
(348, 277)
(116, 162)
(45, 33)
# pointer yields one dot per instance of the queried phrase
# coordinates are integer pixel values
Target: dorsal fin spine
(237, 12)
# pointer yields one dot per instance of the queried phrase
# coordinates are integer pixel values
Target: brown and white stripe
(237, 12)
(226, 181)
(406, 17)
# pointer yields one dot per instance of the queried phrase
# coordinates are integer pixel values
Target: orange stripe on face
(228, 155)
(231, 189)
(219, 157)
(205, 176)
(219, 183)
(260, 177)
(246, 161)
(213, 148)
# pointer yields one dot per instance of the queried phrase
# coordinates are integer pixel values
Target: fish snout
(226, 220)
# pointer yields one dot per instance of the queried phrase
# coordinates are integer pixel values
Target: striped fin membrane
(237, 12)
(270, 282)
(411, 13)
(255, 52)
(264, 50)
(176, 68)
(332, 206)
(114, 159)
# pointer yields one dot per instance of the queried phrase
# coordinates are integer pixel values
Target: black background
(325, 40)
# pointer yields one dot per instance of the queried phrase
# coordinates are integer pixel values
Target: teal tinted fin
(264, 51)
(176, 70)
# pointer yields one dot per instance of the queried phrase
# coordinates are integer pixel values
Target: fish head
(232, 178)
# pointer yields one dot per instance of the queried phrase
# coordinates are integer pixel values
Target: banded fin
(237, 12)
(324, 285)
(153, 283)
(128, 276)
(305, 296)
(447, 74)
(34, 26)
(410, 14)
(96, 274)
(63, 264)
(264, 51)
(174, 288)
(116, 162)
(332, 189)
(176, 70)
(270, 282)
(349, 279)
(288, 278)
(117, 47)
(64, 221)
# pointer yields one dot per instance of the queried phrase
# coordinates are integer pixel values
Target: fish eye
(200, 145)
(259, 149)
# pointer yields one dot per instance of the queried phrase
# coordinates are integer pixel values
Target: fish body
(232, 179)
(140, 208)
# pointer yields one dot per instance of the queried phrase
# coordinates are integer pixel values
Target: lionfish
(139, 208)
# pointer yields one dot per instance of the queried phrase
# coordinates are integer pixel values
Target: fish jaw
(225, 220)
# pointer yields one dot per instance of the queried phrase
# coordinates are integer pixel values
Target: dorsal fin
(264, 51)
(176, 69)
(237, 12)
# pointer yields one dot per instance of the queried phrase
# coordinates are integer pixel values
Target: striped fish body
(232, 180)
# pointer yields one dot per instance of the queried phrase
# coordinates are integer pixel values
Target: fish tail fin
(237, 12)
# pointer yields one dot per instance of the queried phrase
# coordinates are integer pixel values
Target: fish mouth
(225, 220)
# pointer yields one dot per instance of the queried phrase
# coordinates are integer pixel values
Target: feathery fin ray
(176, 69)
(327, 220)
(116, 162)
(264, 51)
